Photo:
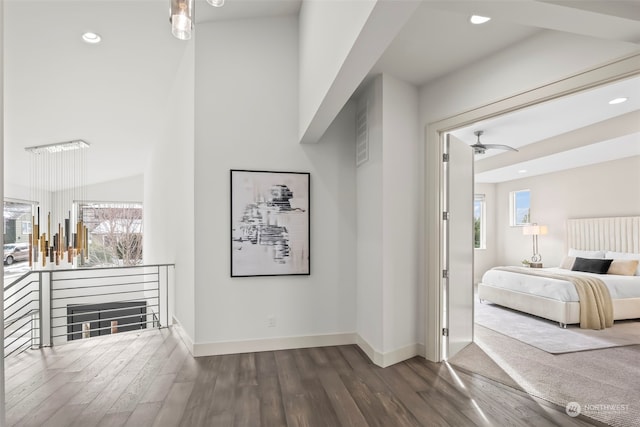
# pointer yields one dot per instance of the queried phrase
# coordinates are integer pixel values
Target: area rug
(601, 384)
(549, 336)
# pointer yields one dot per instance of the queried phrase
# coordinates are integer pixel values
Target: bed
(615, 237)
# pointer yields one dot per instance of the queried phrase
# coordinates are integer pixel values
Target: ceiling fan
(480, 148)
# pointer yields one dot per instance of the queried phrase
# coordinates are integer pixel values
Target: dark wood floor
(149, 379)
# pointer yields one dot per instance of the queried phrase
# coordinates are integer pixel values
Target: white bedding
(620, 287)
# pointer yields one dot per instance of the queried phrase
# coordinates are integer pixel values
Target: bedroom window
(520, 204)
(479, 226)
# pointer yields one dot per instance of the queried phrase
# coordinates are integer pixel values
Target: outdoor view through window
(115, 235)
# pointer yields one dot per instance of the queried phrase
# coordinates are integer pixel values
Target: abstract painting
(269, 223)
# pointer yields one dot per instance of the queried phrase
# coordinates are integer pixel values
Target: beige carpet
(548, 336)
(605, 383)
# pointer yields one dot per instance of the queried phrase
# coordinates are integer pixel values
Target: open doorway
(541, 194)
(618, 71)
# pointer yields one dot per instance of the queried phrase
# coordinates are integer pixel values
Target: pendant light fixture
(181, 17)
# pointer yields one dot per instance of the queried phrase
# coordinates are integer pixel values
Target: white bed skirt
(548, 308)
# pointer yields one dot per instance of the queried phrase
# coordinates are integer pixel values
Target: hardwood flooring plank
(143, 369)
(175, 360)
(297, 409)
(144, 414)
(421, 409)
(44, 410)
(97, 381)
(114, 420)
(36, 397)
(224, 391)
(271, 406)
(322, 412)
(247, 371)
(247, 406)
(158, 389)
(198, 403)
(65, 416)
(173, 408)
(347, 412)
(369, 402)
(336, 360)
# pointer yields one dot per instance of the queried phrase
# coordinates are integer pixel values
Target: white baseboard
(284, 343)
(271, 344)
(186, 339)
(392, 357)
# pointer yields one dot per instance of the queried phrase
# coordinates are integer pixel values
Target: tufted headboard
(619, 234)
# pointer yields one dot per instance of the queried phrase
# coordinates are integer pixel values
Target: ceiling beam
(566, 16)
(626, 124)
(319, 109)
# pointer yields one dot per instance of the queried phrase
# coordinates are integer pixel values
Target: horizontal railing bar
(19, 279)
(23, 306)
(154, 273)
(20, 289)
(105, 268)
(20, 299)
(64, 307)
(16, 339)
(103, 311)
(102, 295)
(18, 348)
(100, 329)
(147, 300)
(104, 285)
(106, 319)
(12, 321)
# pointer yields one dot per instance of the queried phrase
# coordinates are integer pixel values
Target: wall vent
(362, 134)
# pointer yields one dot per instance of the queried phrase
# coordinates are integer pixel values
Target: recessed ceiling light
(522, 171)
(617, 101)
(477, 19)
(92, 38)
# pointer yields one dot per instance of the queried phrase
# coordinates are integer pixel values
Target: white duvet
(619, 286)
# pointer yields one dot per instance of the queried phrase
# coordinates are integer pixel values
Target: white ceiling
(113, 95)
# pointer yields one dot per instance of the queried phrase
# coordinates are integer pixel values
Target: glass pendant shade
(181, 18)
(216, 3)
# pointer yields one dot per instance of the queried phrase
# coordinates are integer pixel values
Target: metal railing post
(40, 314)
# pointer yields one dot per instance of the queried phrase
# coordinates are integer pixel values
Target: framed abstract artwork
(270, 221)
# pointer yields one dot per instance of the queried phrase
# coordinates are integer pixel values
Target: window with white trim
(520, 208)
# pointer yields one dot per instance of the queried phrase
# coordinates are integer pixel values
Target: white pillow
(624, 255)
(586, 254)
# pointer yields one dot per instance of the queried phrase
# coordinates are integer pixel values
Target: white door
(458, 248)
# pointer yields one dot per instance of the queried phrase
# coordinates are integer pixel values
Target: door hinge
(445, 216)
(445, 157)
(445, 332)
(445, 274)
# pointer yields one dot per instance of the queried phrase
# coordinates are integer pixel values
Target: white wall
(605, 189)
(128, 189)
(169, 193)
(370, 227)
(484, 259)
(389, 200)
(401, 203)
(247, 118)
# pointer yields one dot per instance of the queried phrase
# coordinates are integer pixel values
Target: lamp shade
(534, 230)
